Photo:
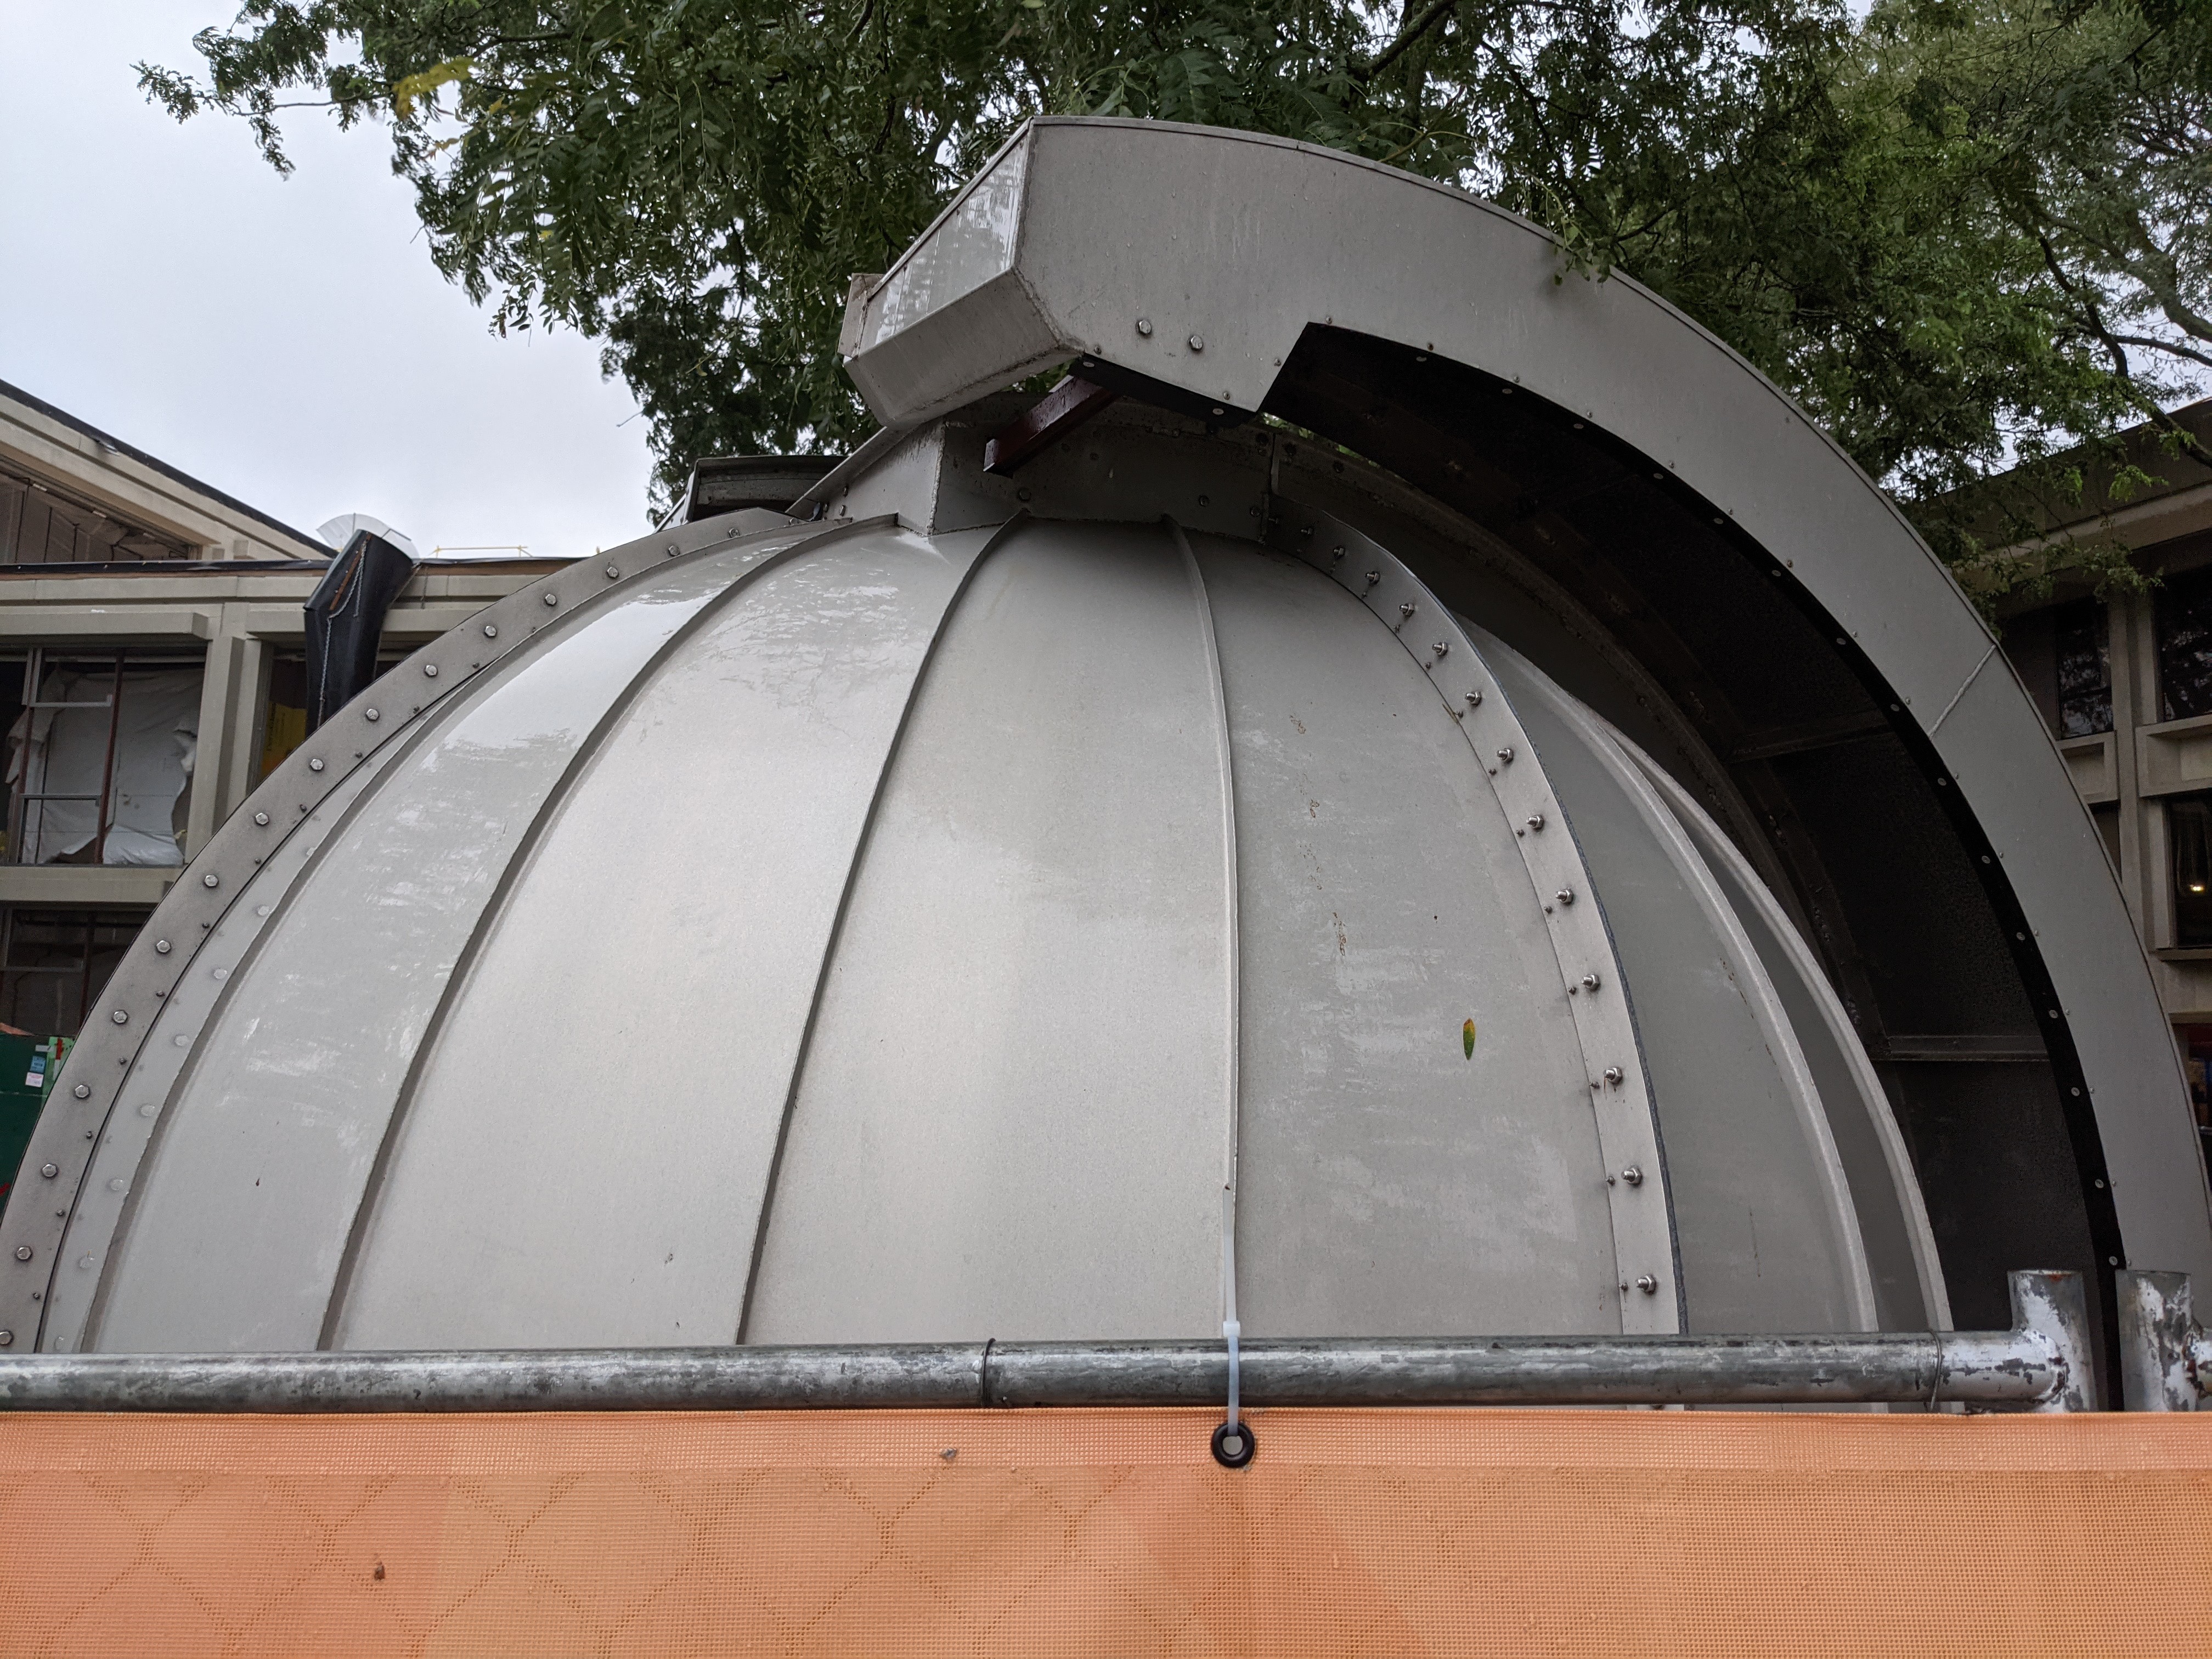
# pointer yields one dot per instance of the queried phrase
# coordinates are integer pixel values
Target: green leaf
(410, 90)
(1931, 228)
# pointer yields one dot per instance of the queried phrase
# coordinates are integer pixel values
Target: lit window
(2188, 832)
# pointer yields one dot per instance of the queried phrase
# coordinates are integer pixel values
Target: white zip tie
(1229, 1329)
(1233, 1442)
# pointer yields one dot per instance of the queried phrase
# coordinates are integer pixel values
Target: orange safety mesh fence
(1105, 1532)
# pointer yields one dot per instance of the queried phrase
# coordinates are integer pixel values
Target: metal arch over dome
(1400, 318)
(908, 925)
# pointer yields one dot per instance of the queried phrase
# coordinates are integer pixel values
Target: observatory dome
(1484, 868)
(854, 935)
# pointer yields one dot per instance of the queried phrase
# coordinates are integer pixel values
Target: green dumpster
(27, 1065)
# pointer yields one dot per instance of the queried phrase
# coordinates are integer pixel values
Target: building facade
(152, 671)
(2124, 682)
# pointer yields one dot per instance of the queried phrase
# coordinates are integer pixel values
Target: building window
(2085, 669)
(2189, 833)
(2105, 815)
(41, 523)
(101, 744)
(285, 727)
(2196, 1066)
(53, 963)
(2064, 661)
(2184, 614)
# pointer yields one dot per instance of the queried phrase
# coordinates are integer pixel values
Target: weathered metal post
(2054, 1306)
(2157, 1330)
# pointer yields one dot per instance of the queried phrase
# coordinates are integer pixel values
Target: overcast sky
(287, 340)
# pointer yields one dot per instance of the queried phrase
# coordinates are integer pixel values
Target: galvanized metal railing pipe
(2165, 1357)
(2043, 1363)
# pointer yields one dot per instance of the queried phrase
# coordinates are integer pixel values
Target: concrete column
(218, 691)
(2134, 702)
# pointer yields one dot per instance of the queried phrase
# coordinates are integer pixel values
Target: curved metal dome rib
(1518, 880)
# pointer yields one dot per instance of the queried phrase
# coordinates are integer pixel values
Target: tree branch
(2150, 343)
(1419, 27)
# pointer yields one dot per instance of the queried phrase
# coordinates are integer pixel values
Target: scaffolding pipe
(2043, 1363)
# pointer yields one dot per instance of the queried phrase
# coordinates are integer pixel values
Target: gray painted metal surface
(1228, 246)
(264, 1147)
(1614, 1075)
(556, 1053)
(2037, 1366)
(906, 929)
(1016, 1096)
(1387, 906)
(105, 1106)
(1064, 864)
(1762, 1206)
(1902, 1263)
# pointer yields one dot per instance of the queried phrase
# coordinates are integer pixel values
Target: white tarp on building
(58, 752)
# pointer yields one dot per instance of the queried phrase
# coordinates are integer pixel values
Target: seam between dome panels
(764, 1216)
(146, 976)
(1754, 985)
(407, 739)
(1641, 1211)
(1233, 967)
(518, 864)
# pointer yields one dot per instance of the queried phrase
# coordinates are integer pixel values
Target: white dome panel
(266, 1147)
(853, 935)
(1763, 1216)
(582, 1158)
(1017, 1107)
(1392, 1182)
(1903, 1268)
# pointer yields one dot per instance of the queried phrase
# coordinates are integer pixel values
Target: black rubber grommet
(1246, 1445)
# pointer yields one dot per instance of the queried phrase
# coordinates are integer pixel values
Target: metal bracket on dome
(1058, 413)
(2043, 1363)
(1642, 1208)
(58, 1209)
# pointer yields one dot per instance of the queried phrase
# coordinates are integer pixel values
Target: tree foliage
(1964, 233)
